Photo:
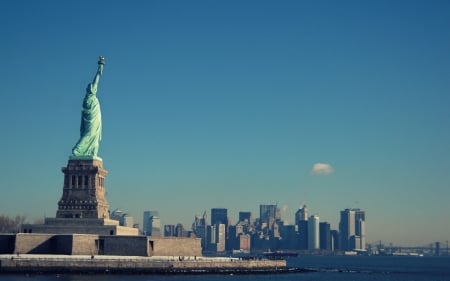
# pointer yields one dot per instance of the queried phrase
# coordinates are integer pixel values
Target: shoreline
(84, 264)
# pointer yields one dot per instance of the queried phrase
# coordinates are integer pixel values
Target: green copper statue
(91, 119)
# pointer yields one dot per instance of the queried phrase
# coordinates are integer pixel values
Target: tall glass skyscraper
(313, 233)
(352, 229)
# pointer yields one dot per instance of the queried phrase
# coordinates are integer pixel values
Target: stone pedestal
(84, 191)
(83, 208)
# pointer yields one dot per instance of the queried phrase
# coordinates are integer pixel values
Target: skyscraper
(218, 216)
(179, 230)
(301, 214)
(220, 237)
(169, 230)
(352, 229)
(303, 234)
(313, 232)
(245, 216)
(147, 222)
(325, 236)
(200, 228)
(268, 214)
(360, 228)
(154, 227)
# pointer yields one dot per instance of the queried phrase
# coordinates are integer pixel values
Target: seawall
(131, 264)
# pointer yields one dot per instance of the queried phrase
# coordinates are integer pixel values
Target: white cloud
(321, 169)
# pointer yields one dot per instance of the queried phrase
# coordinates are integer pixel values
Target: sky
(233, 104)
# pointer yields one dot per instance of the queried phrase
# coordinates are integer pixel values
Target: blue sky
(231, 103)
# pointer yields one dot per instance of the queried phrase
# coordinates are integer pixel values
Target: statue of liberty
(91, 119)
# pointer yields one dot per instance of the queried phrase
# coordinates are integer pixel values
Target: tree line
(11, 225)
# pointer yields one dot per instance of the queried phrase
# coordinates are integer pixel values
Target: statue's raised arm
(101, 62)
(91, 119)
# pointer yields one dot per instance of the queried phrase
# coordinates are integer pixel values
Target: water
(329, 268)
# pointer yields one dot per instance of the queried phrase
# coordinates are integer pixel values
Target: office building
(245, 217)
(219, 216)
(147, 221)
(154, 228)
(268, 215)
(325, 236)
(169, 230)
(352, 229)
(303, 234)
(301, 214)
(199, 227)
(313, 233)
(334, 240)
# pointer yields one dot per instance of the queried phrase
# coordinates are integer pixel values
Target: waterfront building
(352, 229)
(215, 238)
(245, 216)
(128, 221)
(155, 227)
(313, 232)
(268, 215)
(334, 240)
(199, 227)
(325, 236)
(360, 230)
(220, 237)
(303, 234)
(179, 230)
(123, 218)
(244, 243)
(301, 214)
(289, 237)
(147, 221)
(211, 236)
(219, 216)
(169, 230)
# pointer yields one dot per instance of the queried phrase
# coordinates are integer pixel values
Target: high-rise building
(199, 227)
(127, 220)
(123, 218)
(334, 240)
(245, 243)
(352, 229)
(301, 214)
(215, 237)
(219, 215)
(303, 235)
(346, 228)
(147, 222)
(360, 228)
(220, 237)
(313, 233)
(154, 227)
(211, 236)
(169, 230)
(268, 215)
(325, 236)
(245, 216)
(179, 230)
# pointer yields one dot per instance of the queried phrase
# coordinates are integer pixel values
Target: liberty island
(82, 236)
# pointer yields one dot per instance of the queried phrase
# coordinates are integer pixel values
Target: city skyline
(235, 104)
